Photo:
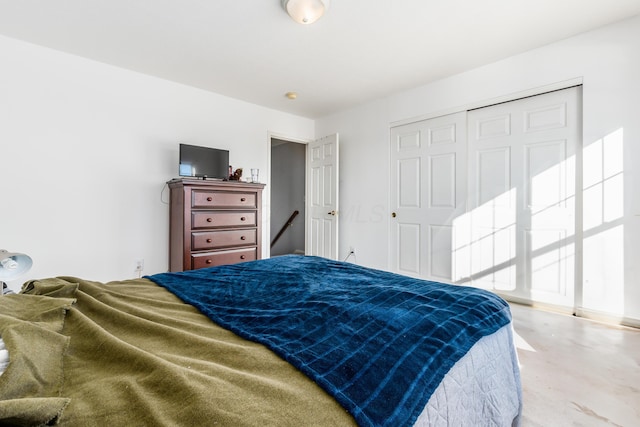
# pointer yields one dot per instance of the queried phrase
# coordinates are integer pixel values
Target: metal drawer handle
(208, 261)
(209, 240)
(243, 219)
(209, 199)
(243, 238)
(242, 257)
(244, 199)
(209, 219)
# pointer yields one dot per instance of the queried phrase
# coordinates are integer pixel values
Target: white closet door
(518, 234)
(428, 177)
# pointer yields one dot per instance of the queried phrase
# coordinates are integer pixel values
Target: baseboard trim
(598, 316)
(607, 317)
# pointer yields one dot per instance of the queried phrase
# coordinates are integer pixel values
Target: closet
(487, 197)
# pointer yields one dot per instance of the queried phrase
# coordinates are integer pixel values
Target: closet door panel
(428, 185)
(522, 209)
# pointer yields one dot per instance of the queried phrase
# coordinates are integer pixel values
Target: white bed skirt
(482, 389)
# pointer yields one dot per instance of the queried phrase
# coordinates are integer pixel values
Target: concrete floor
(576, 372)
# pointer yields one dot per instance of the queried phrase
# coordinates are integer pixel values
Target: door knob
(393, 214)
(331, 213)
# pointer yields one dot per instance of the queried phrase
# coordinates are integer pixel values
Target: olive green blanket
(131, 353)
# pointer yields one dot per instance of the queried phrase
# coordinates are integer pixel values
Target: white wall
(85, 150)
(608, 61)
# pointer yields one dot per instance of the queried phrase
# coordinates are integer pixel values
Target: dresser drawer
(212, 259)
(222, 199)
(219, 239)
(200, 220)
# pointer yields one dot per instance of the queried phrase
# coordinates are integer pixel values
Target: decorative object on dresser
(214, 223)
(236, 176)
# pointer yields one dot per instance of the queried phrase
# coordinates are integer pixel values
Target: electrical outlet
(139, 264)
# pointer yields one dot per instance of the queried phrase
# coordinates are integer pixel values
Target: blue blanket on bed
(380, 343)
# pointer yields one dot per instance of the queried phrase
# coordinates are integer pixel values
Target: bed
(287, 341)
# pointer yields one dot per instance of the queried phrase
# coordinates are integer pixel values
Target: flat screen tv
(204, 162)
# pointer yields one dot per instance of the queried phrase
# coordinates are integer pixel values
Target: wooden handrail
(284, 227)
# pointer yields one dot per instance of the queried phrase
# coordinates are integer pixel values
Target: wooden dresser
(214, 223)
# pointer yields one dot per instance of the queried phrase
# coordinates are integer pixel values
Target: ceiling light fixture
(305, 11)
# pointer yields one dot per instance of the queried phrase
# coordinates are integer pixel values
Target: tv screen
(204, 162)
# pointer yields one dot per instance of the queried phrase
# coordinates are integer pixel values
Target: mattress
(116, 346)
(379, 342)
(480, 389)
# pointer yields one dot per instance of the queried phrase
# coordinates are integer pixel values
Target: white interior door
(518, 235)
(322, 197)
(428, 180)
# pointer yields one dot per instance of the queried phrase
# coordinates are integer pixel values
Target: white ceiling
(251, 50)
